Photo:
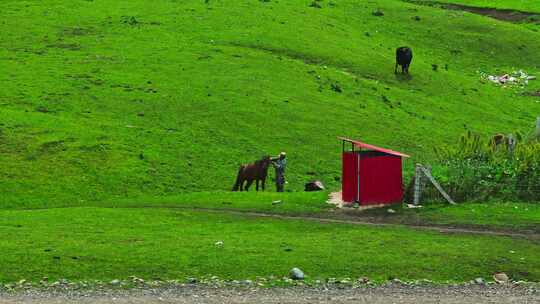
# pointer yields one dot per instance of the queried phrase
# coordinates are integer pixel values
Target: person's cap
(282, 154)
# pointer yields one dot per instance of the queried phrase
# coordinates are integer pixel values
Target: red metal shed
(371, 175)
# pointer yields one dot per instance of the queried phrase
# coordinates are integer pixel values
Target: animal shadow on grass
(403, 77)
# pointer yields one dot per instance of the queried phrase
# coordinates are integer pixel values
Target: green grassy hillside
(113, 99)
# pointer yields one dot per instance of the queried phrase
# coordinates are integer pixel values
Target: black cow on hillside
(403, 58)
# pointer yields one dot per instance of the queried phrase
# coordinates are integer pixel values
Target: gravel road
(387, 294)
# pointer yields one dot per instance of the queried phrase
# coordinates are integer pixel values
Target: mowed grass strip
(516, 216)
(490, 215)
(104, 243)
(272, 202)
(496, 214)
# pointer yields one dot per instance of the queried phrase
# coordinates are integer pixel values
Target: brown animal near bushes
(247, 173)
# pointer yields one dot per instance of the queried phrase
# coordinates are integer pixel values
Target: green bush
(479, 169)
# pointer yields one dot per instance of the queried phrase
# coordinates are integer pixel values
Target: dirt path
(379, 295)
(509, 15)
(440, 229)
(321, 219)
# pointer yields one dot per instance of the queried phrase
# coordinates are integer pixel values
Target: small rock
(115, 282)
(314, 186)
(501, 278)
(363, 280)
(219, 244)
(192, 280)
(479, 281)
(297, 274)
(391, 211)
(277, 202)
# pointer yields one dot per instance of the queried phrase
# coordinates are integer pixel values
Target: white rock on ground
(297, 274)
(501, 278)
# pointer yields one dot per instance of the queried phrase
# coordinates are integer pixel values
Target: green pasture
(102, 243)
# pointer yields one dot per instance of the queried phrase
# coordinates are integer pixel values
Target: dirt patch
(335, 199)
(499, 14)
(76, 31)
(282, 53)
(66, 46)
(537, 94)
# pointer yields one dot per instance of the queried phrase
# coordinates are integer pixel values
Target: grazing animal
(248, 173)
(403, 58)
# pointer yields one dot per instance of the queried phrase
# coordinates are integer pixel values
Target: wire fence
(471, 190)
(482, 193)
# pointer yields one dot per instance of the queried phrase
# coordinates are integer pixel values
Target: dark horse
(252, 172)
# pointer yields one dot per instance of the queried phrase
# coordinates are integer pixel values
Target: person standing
(280, 163)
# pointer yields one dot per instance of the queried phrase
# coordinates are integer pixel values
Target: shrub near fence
(479, 169)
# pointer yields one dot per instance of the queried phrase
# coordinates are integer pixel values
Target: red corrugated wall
(349, 177)
(380, 179)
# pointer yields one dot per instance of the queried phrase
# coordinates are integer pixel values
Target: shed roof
(362, 145)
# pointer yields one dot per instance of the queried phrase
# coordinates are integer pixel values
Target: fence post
(427, 173)
(511, 143)
(417, 184)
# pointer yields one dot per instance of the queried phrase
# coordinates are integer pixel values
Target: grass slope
(97, 243)
(102, 100)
